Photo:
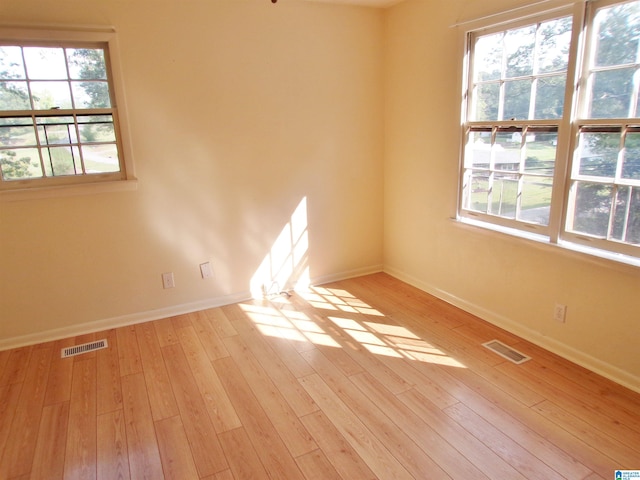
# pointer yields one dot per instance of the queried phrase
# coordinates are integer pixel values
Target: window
(59, 118)
(552, 127)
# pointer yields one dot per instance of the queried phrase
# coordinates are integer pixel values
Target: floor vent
(84, 348)
(506, 351)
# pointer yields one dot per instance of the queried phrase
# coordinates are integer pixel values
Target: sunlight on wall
(285, 267)
(350, 324)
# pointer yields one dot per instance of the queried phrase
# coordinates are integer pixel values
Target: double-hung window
(551, 127)
(59, 110)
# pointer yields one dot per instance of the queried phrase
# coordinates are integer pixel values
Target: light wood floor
(360, 379)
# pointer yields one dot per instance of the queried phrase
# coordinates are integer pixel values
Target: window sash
(570, 184)
(111, 141)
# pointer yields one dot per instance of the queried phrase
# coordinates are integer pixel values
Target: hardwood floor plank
(109, 385)
(273, 402)
(15, 369)
(128, 351)
(60, 374)
(316, 466)
(337, 450)
(207, 452)
(220, 322)
(9, 397)
(49, 456)
(221, 411)
(271, 358)
(81, 452)
(361, 439)
(142, 444)
(161, 397)
(273, 453)
(469, 446)
(175, 453)
(208, 335)
(510, 451)
(166, 331)
(444, 454)
(241, 454)
(17, 457)
(113, 461)
(615, 448)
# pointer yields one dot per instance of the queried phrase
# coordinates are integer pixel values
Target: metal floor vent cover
(506, 351)
(84, 348)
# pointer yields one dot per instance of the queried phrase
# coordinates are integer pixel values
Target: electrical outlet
(205, 270)
(168, 280)
(560, 313)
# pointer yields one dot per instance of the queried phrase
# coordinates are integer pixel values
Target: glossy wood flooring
(361, 379)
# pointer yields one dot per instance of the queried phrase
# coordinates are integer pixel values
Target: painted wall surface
(243, 114)
(511, 282)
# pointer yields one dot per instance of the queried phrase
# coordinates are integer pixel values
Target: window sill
(68, 190)
(594, 255)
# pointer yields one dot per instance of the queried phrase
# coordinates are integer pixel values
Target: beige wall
(239, 110)
(508, 281)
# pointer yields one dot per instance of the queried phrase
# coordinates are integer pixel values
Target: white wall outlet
(205, 270)
(560, 313)
(168, 280)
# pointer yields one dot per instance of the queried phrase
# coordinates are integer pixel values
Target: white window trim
(73, 186)
(554, 235)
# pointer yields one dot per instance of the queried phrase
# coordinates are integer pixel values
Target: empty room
(319, 239)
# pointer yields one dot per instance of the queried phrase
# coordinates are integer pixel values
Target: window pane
(478, 192)
(45, 63)
(550, 97)
(488, 57)
(506, 150)
(617, 32)
(599, 154)
(519, 46)
(626, 220)
(57, 130)
(611, 95)
(592, 208)
(91, 94)
(540, 152)
(17, 136)
(503, 195)
(100, 158)
(62, 161)
(86, 63)
(555, 38)
(14, 96)
(20, 163)
(486, 102)
(536, 200)
(478, 152)
(517, 97)
(631, 162)
(11, 65)
(48, 95)
(98, 130)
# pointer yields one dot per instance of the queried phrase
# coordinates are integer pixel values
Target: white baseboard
(121, 321)
(358, 272)
(578, 357)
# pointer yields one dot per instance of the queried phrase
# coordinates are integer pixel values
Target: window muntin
(584, 184)
(58, 119)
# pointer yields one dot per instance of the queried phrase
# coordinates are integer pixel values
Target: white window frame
(88, 37)
(555, 233)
